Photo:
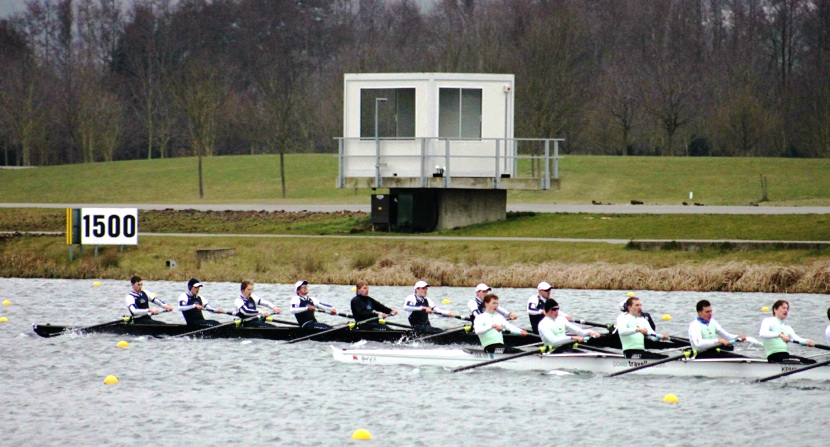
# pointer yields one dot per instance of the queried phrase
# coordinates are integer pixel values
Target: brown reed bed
(399, 263)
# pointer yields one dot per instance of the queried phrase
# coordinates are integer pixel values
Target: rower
(419, 308)
(554, 329)
(536, 306)
(489, 326)
(706, 333)
(304, 306)
(476, 306)
(246, 306)
(191, 305)
(827, 331)
(138, 303)
(775, 335)
(633, 328)
(644, 314)
(365, 307)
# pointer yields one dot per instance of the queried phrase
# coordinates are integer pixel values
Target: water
(258, 392)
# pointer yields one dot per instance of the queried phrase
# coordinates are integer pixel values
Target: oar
(382, 321)
(466, 328)
(350, 325)
(608, 326)
(274, 320)
(540, 350)
(795, 371)
(817, 346)
(218, 326)
(124, 319)
(685, 354)
(457, 317)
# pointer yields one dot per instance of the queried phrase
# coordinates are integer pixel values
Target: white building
(444, 137)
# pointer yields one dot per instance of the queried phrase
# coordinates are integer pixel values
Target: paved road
(539, 208)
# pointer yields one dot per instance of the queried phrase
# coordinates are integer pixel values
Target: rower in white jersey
(138, 303)
(419, 308)
(827, 331)
(489, 326)
(706, 333)
(536, 306)
(775, 335)
(191, 304)
(246, 306)
(304, 306)
(633, 329)
(554, 329)
(476, 306)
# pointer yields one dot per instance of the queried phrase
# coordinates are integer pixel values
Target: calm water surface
(258, 392)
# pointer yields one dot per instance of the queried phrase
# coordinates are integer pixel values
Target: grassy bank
(310, 178)
(449, 263)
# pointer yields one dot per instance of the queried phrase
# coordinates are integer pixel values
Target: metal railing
(425, 148)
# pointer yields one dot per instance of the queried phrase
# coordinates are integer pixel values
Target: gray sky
(8, 7)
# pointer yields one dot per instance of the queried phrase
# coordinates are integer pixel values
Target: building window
(460, 113)
(396, 115)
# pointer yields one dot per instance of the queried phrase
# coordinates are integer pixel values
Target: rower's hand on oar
(513, 316)
(427, 309)
(333, 311)
(592, 334)
(809, 343)
(498, 327)
(276, 310)
(524, 333)
(394, 312)
(784, 337)
(168, 307)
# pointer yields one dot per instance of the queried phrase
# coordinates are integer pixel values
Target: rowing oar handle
(815, 345)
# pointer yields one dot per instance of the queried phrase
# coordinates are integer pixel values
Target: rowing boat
(292, 332)
(743, 368)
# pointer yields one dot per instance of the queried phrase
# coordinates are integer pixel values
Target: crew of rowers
(489, 320)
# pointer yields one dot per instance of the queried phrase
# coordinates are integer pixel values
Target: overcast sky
(9, 6)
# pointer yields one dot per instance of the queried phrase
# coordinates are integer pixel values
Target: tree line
(92, 80)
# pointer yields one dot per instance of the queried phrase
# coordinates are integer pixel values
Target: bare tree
(200, 94)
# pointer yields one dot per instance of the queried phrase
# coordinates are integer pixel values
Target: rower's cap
(482, 288)
(421, 284)
(193, 283)
(544, 286)
(551, 304)
(299, 284)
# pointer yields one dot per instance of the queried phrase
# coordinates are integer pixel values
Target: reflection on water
(257, 392)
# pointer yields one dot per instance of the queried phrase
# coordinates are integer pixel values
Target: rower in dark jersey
(476, 305)
(365, 307)
(246, 306)
(419, 308)
(303, 307)
(191, 304)
(138, 303)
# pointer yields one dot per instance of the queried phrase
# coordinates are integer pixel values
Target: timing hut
(442, 143)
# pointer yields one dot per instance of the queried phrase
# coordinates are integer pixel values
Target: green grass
(310, 179)
(799, 227)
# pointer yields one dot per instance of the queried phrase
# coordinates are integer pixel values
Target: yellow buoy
(96, 284)
(123, 344)
(354, 289)
(765, 309)
(446, 301)
(630, 294)
(666, 317)
(362, 434)
(7, 303)
(670, 399)
(4, 320)
(111, 380)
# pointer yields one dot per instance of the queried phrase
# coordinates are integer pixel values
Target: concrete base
(455, 208)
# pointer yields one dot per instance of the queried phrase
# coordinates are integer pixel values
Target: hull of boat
(292, 332)
(748, 368)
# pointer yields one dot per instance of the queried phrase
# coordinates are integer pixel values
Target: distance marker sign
(109, 226)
